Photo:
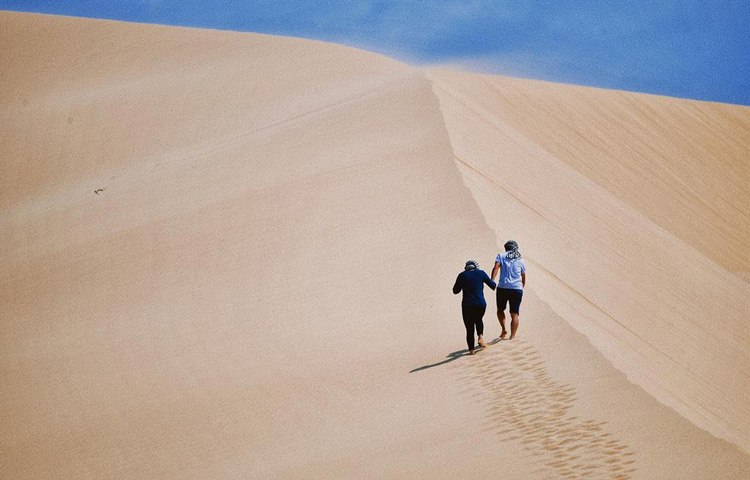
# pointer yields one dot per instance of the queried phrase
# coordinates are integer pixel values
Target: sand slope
(681, 164)
(655, 301)
(233, 301)
(229, 256)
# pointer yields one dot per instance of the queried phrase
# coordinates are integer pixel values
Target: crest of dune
(228, 255)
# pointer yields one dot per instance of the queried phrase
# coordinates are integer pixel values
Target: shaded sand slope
(633, 212)
(682, 164)
(219, 258)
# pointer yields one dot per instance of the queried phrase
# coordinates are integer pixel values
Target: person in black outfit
(471, 281)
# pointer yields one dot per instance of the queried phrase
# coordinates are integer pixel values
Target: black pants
(473, 318)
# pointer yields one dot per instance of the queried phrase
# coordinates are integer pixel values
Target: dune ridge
(591, 245)
(230, 254)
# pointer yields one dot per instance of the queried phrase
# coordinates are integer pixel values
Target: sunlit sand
(230, 255)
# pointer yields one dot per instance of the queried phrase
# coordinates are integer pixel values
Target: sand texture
(229, 255)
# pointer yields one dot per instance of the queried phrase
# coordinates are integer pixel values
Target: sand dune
(230, 255)
(658, 306)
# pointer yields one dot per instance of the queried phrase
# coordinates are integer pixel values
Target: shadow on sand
(451, 357)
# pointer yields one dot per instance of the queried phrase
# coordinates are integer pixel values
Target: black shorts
(509, 295)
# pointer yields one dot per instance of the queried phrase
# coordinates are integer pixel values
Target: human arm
(523, 280)
(489, 281)
(457, 285)
(495, 270)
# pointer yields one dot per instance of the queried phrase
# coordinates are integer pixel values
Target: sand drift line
(526, 406)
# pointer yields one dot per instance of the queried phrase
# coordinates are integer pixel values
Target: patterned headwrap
(512, 248)
(471, 265)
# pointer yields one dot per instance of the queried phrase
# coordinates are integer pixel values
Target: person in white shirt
(510, 285)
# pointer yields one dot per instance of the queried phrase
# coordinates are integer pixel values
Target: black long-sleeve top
(472, 283)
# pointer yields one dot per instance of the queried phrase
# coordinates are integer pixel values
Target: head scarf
(471, 265)
(511, 246)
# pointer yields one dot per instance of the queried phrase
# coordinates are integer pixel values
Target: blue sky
(691, 49)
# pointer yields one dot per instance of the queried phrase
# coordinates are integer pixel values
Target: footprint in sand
(529, 406)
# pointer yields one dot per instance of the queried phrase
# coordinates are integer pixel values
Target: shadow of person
(451, 357)
(448, 358)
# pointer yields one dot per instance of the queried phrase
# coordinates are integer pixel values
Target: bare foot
(471, 352)
(481, 343)
(502, 335)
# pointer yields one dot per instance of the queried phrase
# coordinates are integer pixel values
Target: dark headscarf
(471, 265)
(511, 246)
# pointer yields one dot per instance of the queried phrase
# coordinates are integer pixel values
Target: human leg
(479, 325)
(469, 324)
(513, 325)
(515, 306)
(501, 318)
(501, 302)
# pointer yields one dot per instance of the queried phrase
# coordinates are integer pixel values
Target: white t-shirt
(510, 271)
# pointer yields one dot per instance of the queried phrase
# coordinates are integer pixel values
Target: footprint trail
(526, 405)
